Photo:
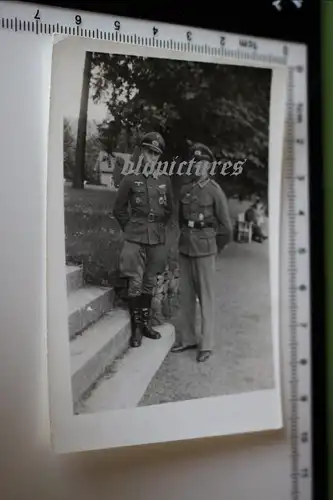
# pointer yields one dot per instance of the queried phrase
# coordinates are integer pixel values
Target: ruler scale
(297, 284)
(292, 292)
(46, 21)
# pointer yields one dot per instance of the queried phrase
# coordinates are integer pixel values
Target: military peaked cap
(201, 152)
(153, 141)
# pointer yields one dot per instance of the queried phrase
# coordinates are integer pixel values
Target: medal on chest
(161, 189)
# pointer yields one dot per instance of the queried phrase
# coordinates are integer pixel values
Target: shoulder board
(214, 183)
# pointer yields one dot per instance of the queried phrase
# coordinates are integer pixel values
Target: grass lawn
(93, 236)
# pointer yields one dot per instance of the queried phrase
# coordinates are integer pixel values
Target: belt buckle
(151, 217)
(190, 223)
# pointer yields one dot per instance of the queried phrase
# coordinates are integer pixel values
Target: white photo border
(214, 416)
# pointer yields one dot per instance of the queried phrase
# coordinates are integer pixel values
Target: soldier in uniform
(142, 208)
(203, 216)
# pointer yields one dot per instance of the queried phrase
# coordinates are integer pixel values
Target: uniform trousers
(141, 263)
(197, 280)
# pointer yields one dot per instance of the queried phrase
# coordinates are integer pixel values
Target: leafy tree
(225, 107)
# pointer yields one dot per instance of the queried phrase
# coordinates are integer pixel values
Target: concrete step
(98, 347)
(126, 384)
(74, 278)
(86, 305)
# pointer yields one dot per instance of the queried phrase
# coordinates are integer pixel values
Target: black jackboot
(136, 323)
(147, 329)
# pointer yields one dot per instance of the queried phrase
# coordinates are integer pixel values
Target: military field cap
(153, 141)
(201, 152)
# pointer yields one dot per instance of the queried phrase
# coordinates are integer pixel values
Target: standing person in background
(203, 209)
(142, 208)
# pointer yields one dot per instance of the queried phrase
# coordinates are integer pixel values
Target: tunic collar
(203, 182)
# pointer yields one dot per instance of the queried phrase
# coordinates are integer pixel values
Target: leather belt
(192, 224)
(151, 217)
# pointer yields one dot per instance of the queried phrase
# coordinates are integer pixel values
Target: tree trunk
(79, 172)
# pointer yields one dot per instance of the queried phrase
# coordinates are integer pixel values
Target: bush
(92, 175)
(93, 149)
(69, 151)
(93, 236)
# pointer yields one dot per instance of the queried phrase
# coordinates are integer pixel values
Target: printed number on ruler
(50, 20)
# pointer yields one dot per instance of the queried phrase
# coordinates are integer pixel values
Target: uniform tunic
(142, 208)
(202, 202)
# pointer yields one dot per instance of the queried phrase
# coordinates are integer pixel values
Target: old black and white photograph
(167, 222)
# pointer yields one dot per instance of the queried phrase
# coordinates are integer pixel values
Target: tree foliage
(225, 107)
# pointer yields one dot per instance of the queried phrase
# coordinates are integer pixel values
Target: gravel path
(242, 360)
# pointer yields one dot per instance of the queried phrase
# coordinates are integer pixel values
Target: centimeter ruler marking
(231, 46)
(292, 292)
(298, 272)
(40, 28)
(45, 20)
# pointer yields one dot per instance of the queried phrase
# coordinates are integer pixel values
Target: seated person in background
(255, 214)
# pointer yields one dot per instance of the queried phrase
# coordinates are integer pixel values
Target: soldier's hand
(224, 248)
(221, 252)
(222, 242)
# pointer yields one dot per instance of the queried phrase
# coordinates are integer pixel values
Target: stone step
(74, 278)
(125, 387)
(85, 306)
(98, 346)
